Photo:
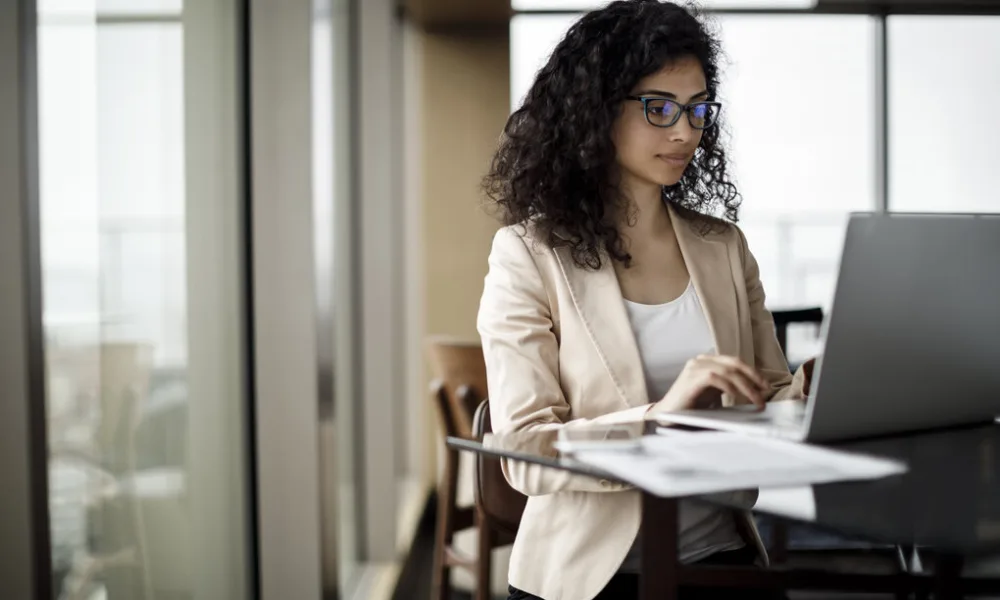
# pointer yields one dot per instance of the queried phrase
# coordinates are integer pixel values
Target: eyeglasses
(663, 112)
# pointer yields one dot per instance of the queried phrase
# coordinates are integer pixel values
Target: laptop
(912, 341)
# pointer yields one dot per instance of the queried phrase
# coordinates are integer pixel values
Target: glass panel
(87, 9)
(139, 7)
(798, 96)
(942, 116)
(532, 39)
(142, 311)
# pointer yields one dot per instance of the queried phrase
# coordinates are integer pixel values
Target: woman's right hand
(706, 377)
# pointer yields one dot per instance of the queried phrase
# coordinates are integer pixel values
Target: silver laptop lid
(913, 340)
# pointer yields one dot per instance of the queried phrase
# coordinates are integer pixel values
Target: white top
(668, 335)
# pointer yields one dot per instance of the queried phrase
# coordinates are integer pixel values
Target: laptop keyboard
(778, 413)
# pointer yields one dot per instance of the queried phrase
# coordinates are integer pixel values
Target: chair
(459, 388)
(498, 506)
(784, 318)
(450, 517)
(455, 364)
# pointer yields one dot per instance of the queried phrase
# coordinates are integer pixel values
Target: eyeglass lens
(664, 113)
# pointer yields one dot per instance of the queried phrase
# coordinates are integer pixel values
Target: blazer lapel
(598, 298)
(708, 262)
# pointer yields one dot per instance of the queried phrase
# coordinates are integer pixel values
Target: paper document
(796, 502)
(685, 463)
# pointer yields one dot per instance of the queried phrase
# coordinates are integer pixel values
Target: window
(942, 116)
(532, 39)
(799, 99)
(140, 226)
(798, 95)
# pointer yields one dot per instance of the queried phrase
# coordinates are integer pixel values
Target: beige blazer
(560, 353)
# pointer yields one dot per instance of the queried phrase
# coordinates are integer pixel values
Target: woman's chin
(659, 177)
(668, 177)
(668, 181)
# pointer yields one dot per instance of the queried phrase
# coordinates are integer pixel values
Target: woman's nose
(681, 131)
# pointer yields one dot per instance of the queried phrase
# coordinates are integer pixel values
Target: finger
(737, 387)
(722, 383)
(747, 370)
(745, 385)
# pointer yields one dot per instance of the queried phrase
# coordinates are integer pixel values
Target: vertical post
(215, 238)
(284, 300)
(881, 113)
(381, 331)
(25, 563)
(347, 410)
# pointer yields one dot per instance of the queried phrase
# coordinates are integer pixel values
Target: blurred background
(254, 220)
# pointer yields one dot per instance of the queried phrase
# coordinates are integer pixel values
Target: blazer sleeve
(522, 366)
(768, 357)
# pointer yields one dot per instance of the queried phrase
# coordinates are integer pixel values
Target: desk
(948, 503)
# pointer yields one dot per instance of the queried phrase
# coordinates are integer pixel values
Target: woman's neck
(647, 214)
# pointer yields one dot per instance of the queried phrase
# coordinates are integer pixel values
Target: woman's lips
(675, 160)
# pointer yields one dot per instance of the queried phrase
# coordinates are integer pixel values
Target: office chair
(784, 318)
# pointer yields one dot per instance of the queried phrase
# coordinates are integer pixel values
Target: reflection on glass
(140, 455)
(942, 115)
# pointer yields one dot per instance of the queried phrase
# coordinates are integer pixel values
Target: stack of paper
(685, 463)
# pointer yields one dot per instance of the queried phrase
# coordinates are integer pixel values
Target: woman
(612, 292)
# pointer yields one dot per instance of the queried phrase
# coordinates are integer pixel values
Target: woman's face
(657, 156)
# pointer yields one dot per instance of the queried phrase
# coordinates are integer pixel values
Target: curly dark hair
(555, 164)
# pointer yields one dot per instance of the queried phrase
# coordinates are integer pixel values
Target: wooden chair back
(458, 364)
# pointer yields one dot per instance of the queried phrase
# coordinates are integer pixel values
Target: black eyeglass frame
(684, 109)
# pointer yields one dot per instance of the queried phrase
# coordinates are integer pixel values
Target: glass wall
(141, 225)
(799, 101)
(944, 79)
(798, 94)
